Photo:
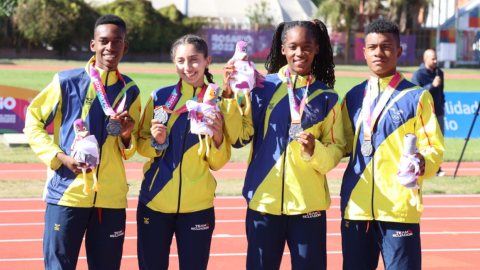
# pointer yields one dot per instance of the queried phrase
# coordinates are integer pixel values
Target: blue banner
(460, 108)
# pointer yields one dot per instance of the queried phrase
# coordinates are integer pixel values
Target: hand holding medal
(307, 142)
(114, 126)
(158, 129)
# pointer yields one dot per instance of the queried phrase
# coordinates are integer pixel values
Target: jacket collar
(302, 81)
(112, 75)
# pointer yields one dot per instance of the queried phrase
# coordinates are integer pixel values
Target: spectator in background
(430, 77)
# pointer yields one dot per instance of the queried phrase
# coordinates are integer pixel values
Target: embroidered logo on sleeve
(57, 227)
(117, 234)
(313, 214)
(403, 233)
(201, 227)
(146, 220)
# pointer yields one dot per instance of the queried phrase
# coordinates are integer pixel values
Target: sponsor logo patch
(117, 234)
(270, 106)
(201, 227)
(57, 227)
(403, 233)
(146, 220)
(347, 223)
(313, 214)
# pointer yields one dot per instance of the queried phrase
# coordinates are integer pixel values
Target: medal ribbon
(296, 111)
(175, 96)
(102, 95)
(370, 118)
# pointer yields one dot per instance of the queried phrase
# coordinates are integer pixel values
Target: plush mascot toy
(197, 112)
(247, 76)
(409, 169)
(85, 150)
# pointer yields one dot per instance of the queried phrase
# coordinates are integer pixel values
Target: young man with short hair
(71, 213)
(377, 114)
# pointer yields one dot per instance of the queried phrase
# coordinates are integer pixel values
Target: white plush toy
(409, 169)
(197, 111)
(85, 150)
(247, 76)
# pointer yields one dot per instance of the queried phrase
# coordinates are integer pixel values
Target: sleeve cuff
(123, 146)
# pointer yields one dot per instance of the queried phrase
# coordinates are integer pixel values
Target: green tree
(183, 24)
(259, 13)
(8, 33)
(408, 13)
(147, 29)
(55, 22)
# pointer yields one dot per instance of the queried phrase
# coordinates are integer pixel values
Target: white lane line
(245, 207)
(241, 236)
(242, 254)
(243, 221)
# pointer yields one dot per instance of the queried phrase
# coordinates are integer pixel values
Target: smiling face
(381, 52)
(191, 64)
(109, 45)
(300, 49)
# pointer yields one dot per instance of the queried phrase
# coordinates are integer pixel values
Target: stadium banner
(460, 108)
(408, 43)
(222, 42)
(14, 102)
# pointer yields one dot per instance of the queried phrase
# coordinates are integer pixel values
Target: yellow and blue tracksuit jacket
(68, 97)
(281, 179)
(178, 179)
(370, 190)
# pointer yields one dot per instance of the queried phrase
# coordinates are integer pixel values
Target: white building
(236, 11)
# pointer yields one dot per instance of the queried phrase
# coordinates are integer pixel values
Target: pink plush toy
(247, 76)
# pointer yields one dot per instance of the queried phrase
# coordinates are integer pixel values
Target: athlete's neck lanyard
(102, 95)
(370, 118)
(296, 110)
(175, 96)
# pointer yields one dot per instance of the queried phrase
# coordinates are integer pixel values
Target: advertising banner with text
(14, 102)
(460, 108)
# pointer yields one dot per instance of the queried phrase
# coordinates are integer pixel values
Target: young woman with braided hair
(176, 197)
(296, 131)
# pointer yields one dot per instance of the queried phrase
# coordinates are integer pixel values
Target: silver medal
(114, 127)
(161, 115)
(294, 130)
(367, 148)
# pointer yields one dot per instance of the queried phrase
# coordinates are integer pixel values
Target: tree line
(68, 24)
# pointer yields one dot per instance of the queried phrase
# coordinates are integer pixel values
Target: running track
(450, 234)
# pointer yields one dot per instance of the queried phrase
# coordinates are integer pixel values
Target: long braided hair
(322, 65)
(199, 44)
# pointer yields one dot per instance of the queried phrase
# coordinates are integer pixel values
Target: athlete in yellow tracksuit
(376, 209)
(285, 188)
(100, 215)
(176, 197)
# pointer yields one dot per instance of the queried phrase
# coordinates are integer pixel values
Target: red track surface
(450, 234)
(217, 71)
(233, 170)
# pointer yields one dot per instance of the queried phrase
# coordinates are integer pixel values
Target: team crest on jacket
(313, 214)
(396, 116)
(201, 227)
(403, 233)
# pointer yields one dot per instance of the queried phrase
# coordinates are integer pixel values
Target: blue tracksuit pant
(305, 235)
(65, 227)
(193, 233)
(399, 243)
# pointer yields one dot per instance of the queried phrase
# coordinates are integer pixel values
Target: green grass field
(435, 185)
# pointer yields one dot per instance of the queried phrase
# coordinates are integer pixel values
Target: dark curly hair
(111, 19)
(381, 26)
(199, 44)
(322, 65)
